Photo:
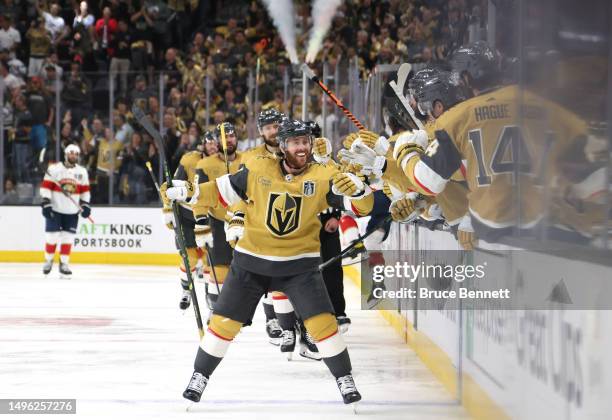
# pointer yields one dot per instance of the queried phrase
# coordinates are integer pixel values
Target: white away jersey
(73, 180)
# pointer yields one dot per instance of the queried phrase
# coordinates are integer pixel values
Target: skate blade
(343, 330)
(354, 407)
(274, 341)
(190, 405)
(289, 356)
(310, 356)
(65, 276)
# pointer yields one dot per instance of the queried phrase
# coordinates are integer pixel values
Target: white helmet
(72, 148)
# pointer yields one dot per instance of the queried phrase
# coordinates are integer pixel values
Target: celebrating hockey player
(210, 228)
(268, 122)
(186, 172)
(279, 250)
(65, 193)
(501, 154)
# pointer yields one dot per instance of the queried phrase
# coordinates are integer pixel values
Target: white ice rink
(114, 338)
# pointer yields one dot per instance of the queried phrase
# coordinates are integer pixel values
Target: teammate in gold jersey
(186, 172)
(279, 250)
(212, 220)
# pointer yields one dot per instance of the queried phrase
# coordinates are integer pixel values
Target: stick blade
(308, 71)
(402, 75)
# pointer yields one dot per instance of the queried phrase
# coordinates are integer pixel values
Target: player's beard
(296, 162)
(71, 161)
(272, 142)
(231, 149)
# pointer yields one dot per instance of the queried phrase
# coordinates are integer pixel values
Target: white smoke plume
(283, 15)
(323, 12)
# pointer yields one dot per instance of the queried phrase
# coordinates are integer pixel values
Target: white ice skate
(47, 267)
(65, 271)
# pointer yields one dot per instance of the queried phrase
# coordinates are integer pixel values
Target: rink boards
(120, 235)
(512, 363)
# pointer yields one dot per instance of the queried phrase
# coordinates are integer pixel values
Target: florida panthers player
(65, 193)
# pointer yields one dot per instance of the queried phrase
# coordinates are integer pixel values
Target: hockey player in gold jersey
(435, 91)
(512, 141)
(213, 222)
(268, 122)
(186, 172)
(279, 250)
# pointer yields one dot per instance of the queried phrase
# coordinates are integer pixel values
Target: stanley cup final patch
(308, 188)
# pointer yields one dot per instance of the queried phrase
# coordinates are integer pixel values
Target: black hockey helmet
(229, 129)
(292, 128)
(314, 128)
(479, 61)
(420, 77)
(268, 116)
(440, 86)
(207, 137)
(398, 116)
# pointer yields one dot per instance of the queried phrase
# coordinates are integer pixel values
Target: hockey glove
(322, 150)
(432, 212)
(368, 138)
(47, 210)
(85, 209)
(203, 233)
(408, 144)
(349, 185)
(235, 229)
(363, 159)
(379, 144)
(347, 142)
(180, 191)
(168, 218)
(465, 234)
(405, 210)
(391, 192)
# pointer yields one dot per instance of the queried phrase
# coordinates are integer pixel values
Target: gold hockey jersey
(210, 168)
(109, 155)
(260, 150)
(186, 171)
(282, 233)
(187, 166)
(509, 157)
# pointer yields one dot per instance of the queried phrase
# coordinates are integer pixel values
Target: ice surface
(114, 338)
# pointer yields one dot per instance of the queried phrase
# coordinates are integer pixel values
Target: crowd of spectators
(59, 61)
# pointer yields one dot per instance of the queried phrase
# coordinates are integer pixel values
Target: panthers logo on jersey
(283, 215)
(68, 186)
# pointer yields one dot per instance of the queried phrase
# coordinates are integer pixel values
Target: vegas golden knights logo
(283, 215)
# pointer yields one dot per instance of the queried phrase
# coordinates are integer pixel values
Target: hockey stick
(68, 195)
(398, 88)
(356, 242)
(224, 145)
(420, 204)
(313, 77)
(149, 167)
(178, 229)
